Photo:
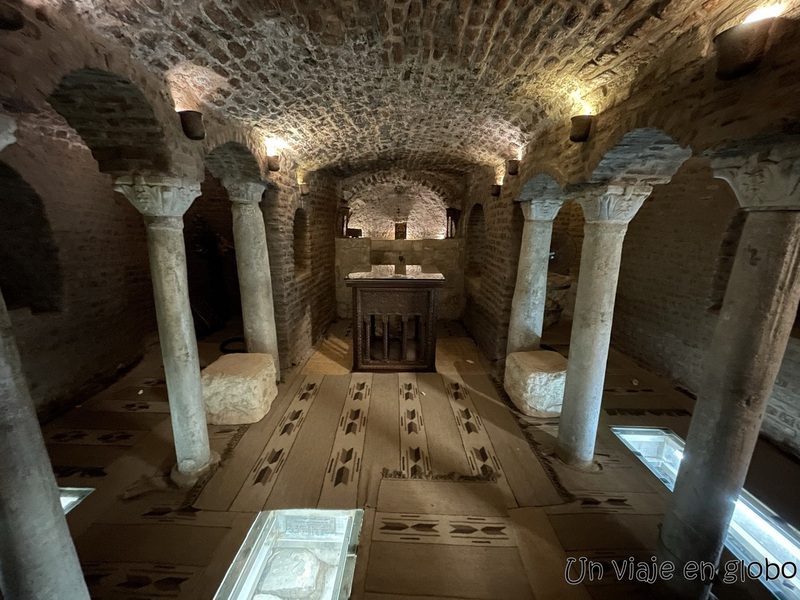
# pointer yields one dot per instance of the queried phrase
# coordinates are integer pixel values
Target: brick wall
(668, 267)
(358, 254)
(105, 309)
(210, 255)
(675, 250)
(488, 297)
(305, 302)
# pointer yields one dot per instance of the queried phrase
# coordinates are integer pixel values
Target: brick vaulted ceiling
(440, 84)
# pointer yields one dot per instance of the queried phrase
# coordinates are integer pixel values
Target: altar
(394, 318)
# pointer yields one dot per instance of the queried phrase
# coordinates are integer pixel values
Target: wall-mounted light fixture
(274, 145)
(581, 126)
(192, 124)
(512, 167)
(741, 48)
(304, 190)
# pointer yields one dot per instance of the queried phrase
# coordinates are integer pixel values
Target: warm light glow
(585, 106)
(274, 144)
(520, 152)
(765, 12)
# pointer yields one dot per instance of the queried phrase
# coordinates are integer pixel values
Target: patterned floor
(461, 494)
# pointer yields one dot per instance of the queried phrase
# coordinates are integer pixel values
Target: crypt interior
(492, 290)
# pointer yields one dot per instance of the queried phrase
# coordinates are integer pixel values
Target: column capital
(7, 128)
(611, 203)
(158, 196)
(763, 182)
(544, 209)
(244, 192)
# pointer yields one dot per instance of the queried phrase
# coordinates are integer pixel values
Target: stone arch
(476, 241)
(301, 245)
(233, 160)
(30, 270)
(643, 155)
(114, 119)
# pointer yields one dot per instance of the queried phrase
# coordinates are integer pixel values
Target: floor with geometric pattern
(462, 496)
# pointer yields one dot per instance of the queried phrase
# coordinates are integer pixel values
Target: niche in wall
(30, 273)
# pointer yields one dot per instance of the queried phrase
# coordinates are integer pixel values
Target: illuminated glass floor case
(298, 554)
(756, 533)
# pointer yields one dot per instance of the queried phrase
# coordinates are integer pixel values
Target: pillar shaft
(252, 262)
(176, 334)
(163, 202)
(37, 556)
(741, 365)
(607, 215)
(530, 293)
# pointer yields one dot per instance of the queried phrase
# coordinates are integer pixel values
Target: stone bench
(239, 388)
(535, 382)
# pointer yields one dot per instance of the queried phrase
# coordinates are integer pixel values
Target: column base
(566, 458)
(188, 480)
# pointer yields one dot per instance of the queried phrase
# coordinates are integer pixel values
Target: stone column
(530, 293)
(252, 262)
(163, 201)
(37, 556)
(607, 210)
(740, 367)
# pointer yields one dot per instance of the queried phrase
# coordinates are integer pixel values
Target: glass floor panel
(298, 554)
(756, 533)
(71, 497)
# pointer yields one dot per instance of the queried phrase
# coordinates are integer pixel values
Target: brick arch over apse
(35, 282)
(448, 186)
(375, 209)
(57, 44)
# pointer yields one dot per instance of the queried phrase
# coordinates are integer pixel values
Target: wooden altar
(394, 319)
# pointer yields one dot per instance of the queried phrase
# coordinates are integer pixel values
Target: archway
(30, 272)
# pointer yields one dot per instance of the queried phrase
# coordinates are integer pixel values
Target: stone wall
(354, 254)
(304, 301)
(104, 312)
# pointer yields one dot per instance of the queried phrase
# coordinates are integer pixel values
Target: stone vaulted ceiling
(436, 84)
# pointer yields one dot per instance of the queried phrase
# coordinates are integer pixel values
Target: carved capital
(612, 203)
(7, 128)
(157, 196)
(246, 192)
(770, 182)
(541, 210)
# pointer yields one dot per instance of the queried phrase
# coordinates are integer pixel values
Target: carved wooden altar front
(394, 320)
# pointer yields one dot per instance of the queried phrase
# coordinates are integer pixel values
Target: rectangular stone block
(535, 382)
(239, 388)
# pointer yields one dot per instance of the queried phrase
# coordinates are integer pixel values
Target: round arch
(114, 119)
(30, 270)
